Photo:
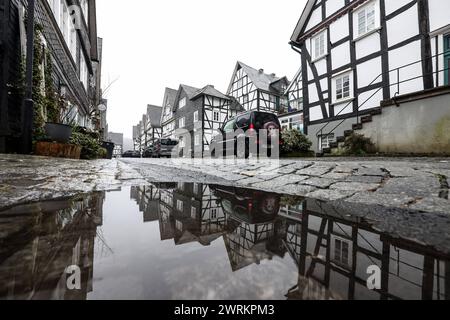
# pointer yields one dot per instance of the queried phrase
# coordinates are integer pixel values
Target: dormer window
(182, 103)
(319, 46)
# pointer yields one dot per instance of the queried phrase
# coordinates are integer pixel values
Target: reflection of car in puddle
(250, 206)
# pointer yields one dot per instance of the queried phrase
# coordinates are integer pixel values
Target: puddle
(195, 241)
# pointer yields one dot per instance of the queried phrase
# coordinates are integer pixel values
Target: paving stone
(364, 179)
(281, 181)
(371, 171)
(415, 187)
(330, 195)
(336, 175)
(432, 204)
(315, 171)
(354, 186)
(390, 200)
(320, 183)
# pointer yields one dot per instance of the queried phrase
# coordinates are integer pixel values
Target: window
(243, 121)
(213, 213)
(197, 140)
(341, 252)
(245, 98)
(179, 225)
(216, 116)
(181, 123)
(342, 87)
(196, 116)
(194, 213)
(318, 46)
(195, 188)
(182, 103)
(326, 140)
(83, 72)
(366, 19)
(180, 205)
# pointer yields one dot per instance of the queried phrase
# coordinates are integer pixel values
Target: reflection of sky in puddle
(194, 241)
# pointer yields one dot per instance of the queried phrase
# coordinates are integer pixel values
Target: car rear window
(262, 118)
(168, 142)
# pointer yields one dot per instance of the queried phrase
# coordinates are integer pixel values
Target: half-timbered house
(256, 90)
(153, 127)
(202, 112)
(68, 32)
(357, 53)
(167, 116)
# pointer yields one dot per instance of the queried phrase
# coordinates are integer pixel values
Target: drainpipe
(28, 114)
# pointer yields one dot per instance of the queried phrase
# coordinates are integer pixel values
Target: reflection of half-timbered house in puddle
(356, 54)
(291, 116)
(201, 112)
(335, 251)
(39, 243)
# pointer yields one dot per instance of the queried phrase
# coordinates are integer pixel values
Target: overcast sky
(151, 45)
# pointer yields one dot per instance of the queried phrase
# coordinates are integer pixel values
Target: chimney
(261, 71)
(273, 75)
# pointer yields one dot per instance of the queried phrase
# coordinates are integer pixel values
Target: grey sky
(150, 45)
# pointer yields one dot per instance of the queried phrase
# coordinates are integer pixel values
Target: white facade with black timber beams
(358, 53)
(256, 90)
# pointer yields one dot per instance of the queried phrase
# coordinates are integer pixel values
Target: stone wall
(420, 127)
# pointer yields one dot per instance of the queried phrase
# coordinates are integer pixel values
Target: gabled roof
(170, 95)
(303, 19)
(261, 80)
(154, 115)
(190, 92)
(299, 72)
(210, 91)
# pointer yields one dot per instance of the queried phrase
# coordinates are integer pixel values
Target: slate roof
(211, 91)
(171, 95)
(154, 114)
(190, 91)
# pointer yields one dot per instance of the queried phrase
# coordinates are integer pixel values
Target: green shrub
(294, 141)
(358, 144)
(91, 147)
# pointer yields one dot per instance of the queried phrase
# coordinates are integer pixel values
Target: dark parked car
(160, 148)
(131, 154)
(250, 124)
(249, 206)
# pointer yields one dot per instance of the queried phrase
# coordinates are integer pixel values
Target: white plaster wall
(339, 29)
(370, 99)
(315, 113)
(343, 108)
(315, 19)
(393, 5)
(410, 53)
(333, 6)
(340, 55)
(367, 45)
(368, 71)
(439, 13)
(403, 26)
(321, 66)
(313, 95)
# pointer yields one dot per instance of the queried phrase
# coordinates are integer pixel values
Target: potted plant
(58, 127)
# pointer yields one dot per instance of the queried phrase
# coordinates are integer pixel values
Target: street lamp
(28, 114)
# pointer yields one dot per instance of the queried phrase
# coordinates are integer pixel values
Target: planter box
(58, 150)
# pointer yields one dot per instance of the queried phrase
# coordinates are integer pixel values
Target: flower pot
(58, 132)
(109, 146)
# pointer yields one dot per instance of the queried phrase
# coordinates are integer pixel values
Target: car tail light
(252, 126)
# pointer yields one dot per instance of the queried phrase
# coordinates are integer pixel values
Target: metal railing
(397, 70)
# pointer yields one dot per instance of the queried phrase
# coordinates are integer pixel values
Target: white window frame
(338, 83)
(194, 213)
(182, 103)
(180, 205)
(196, 118)
(326, 140)
(368, 29)
(181, 123)
(197, 139)
(319, 55)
